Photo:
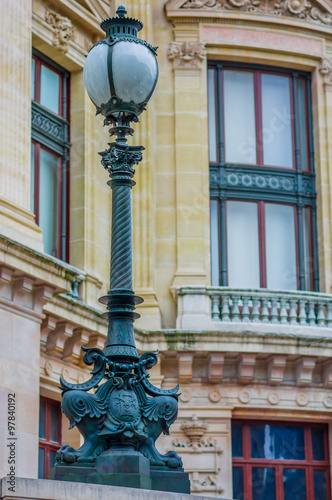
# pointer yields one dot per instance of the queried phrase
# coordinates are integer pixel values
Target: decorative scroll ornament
(302, 9)
(126, 408)
(64, 32)
(325, 70)
(186, 54)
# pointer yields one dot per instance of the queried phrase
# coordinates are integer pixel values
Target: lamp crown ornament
(125, 414)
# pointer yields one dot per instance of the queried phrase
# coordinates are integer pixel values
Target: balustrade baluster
(312, 315)
(265, 310)
(245, 310)
(274, 310)
(329, 314)
(215, 299)
(283, 312)
(236, 309)
(293, 312)
(225, 309)
(302, 313)
(256, 310)
(321, 314)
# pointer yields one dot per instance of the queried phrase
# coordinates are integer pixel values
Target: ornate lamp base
(120, 423)
(130, 471)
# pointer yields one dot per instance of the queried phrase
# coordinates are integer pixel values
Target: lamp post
(122, 419)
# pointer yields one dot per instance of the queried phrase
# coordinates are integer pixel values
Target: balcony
(261, 310)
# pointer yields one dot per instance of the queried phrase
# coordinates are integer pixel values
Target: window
(50, 153)
(262, 183)
(280, 461)
(49, 435)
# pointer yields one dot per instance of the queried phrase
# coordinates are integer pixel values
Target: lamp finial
(121, 12)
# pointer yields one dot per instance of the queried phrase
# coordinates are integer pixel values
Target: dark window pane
(49, 89)
(238, 483)
(302, 122)
(318, 445)
(41, 460)
(320, 485)
(237, 440)
(42, 420)
(52, 459)
(277, 442)
(54, 434)
(294, 484)
(263, 484)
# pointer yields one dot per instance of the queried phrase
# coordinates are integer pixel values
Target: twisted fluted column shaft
(121, 248)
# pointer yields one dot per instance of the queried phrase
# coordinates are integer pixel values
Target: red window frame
(38, 147)
(257, 73)
(261, 236)
(55, 148)
(308, 464)
(38, 64)
(46, 443)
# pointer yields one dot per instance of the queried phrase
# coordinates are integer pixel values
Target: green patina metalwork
(126, 412)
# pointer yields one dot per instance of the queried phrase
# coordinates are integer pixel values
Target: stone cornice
(42, 267)
(231, 339)
(316, 16)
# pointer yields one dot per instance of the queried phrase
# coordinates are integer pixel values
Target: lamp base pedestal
(131, 470)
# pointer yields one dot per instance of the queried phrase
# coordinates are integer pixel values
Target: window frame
(308, 464)
(46, 443)
(294, 186)
(52, 132)
(262, 236)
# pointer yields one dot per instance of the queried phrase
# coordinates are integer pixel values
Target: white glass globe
(127, 67)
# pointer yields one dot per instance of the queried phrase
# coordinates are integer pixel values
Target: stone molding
(204, 478)
(63, 30)
(187, 55)
(300, 9)
(39, 489)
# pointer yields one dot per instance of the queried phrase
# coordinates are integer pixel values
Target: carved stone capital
(64, 32)
(325, 70)
(186, 54)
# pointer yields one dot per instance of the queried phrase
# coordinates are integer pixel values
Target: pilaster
(191, 157)
(143, 194)
(16, 220)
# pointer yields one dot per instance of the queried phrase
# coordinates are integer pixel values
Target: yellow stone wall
(170, 218)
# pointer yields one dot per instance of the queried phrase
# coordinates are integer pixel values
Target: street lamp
(122, 419)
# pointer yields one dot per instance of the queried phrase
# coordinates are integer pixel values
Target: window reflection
(277, 442)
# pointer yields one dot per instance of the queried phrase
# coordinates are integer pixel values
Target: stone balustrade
(207, 307)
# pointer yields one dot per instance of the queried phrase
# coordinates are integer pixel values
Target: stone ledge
(41, 489)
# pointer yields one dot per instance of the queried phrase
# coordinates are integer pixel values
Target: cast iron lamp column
(126, 413)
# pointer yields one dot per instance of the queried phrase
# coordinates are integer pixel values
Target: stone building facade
(236, 290)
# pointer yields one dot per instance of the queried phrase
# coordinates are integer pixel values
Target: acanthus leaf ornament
(186, 54)
(302, 9)
(64, 32)
(121, 158)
